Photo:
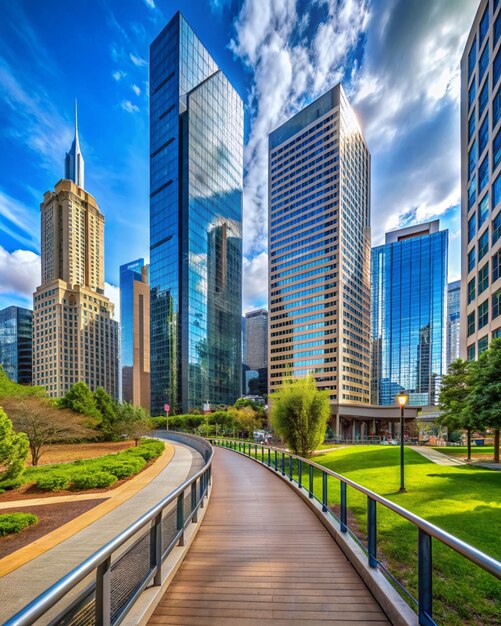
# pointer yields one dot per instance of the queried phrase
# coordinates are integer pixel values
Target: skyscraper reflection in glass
(409, 305)
(196, 171)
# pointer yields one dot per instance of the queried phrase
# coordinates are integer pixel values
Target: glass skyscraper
(16, 343)
(453, 325)
(196, 171)
(409, 285)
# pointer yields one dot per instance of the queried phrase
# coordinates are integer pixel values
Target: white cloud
(113, 293)
(19, 272)
(129, 107)
(138, 61)
(150, 3)
(136, 90)
(118, 75)
(16, 220)
(255, 289)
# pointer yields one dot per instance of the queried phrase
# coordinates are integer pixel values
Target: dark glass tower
(16, 343)
(196, 170)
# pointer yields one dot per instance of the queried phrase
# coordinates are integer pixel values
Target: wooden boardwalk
(262, 557)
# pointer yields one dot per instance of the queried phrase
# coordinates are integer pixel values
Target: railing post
(300, 473)
(269, 457)
(201, 488)
(290, 467)
(371, 531)
(324, 492)
(262, 455)
(156, 548)
(255, 451)
(103, 593)
(425, 595)
(194, 510)
(283, 463)
(276, 460)
(310, 483)
(180, 517)
(342, 524)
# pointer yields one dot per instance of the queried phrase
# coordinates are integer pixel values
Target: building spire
(73, 162)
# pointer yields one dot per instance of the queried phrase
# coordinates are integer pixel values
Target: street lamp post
(402, 401)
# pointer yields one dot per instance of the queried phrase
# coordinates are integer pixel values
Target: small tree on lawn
(81, 400)
(486, 394)
(133, 421)
(13, 449)
(104, 404)
(43, 428)
(455, 393)
(299, 413)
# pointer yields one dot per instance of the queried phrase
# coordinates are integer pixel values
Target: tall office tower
(319, 247)
(409, 284)
(16, 343)
(75, 337)
(196, 171)
(453, 317)
(135, 333)
(481, 183)
(256, 353)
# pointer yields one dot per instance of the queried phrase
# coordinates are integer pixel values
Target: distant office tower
(135, 333)
(453, 317)
(319, 246)
(196, 169)
(74, 335)
(409, 283)
(16, 343)
(481, 183)
(256, 353)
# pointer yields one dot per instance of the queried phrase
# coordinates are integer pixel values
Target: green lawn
(465, 501)
(462, 451)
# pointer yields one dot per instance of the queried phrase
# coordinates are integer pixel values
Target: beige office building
(319, 248)
(75, 337)
(481, 183)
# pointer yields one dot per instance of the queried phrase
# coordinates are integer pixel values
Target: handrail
(102, 557)
(426, 529)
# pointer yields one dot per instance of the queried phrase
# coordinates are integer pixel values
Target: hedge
(15, 522)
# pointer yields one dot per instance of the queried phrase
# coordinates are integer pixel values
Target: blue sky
(398, 60)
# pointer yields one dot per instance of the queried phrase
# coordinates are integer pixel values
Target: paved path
(46, 569)
(437, 457)
(262, 557)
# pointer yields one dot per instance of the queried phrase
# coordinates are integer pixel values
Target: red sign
(166, 408)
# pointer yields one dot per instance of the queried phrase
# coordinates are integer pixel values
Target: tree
(299, 413)
(43, 429)
(454, 400)
(81, 400)
(13, 449)
(133, 421)
(104, 404)
(485, 399)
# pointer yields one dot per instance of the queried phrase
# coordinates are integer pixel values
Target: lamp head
(402, 399)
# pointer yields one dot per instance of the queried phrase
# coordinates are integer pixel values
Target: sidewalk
(26, 582)
(443, 459)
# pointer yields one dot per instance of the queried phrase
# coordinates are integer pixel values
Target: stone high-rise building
(481, 183)
(256, 349)
(319, 247)
(75, 337)
(135, 333)
(453, 325)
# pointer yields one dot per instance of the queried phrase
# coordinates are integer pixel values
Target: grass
(462, 451)
(464, 500)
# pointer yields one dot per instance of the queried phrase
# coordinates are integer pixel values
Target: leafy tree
(454, 400)
(80, 399)
(132, 421)
(13, 449)
(105, 406)
(43, 429)
(485, 399)
(247, 402)
(299, 413)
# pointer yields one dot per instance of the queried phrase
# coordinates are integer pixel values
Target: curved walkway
(262, 557)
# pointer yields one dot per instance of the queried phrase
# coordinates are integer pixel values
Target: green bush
(123, 468)
(11, 483)
(53, 482)
(15, 522)
(147, 449)
(93, 480)
(159, 422)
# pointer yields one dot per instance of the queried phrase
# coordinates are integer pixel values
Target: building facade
(196, 172)
(481, 182)
(16, 343)
(256, 352)
(135, 333)
(319, 250)
(452, 351)
(409, 291)
(75, 337)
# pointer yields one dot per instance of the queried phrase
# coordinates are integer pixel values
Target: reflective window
(496, 304)
(472, 192)
(472, 228)
(483, 99)
(483, 64)
(496, 266)
(496, 107)
(496, 149)
(496, 228)
(497, 30)
(470, 353)
(471, 290)
(483, 174)
(484, 26)
(471, 323)
(483, 135)
(472, 57)
(496, 68)
(483, 278)
(472, 158)
(483, 245)
(471, 125)
(483, 314)
(471, 259)
(483, 210)
(496, 192)
(483, 344)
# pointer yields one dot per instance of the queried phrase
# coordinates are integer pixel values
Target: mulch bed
(51, 516)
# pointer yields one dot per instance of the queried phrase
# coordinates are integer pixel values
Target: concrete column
(374, 425)
(338, 431)
(353, 429)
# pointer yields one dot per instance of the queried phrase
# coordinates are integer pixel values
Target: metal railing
(295, 469)
(118, 582)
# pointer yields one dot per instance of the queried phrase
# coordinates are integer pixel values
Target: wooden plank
(261, 556)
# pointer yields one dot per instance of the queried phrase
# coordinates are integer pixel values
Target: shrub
(12, 483)
(159, 422)
(123, 468)
(15, 522)
(95, 480)
(13, 449)
(53, 482)
(148, 449)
